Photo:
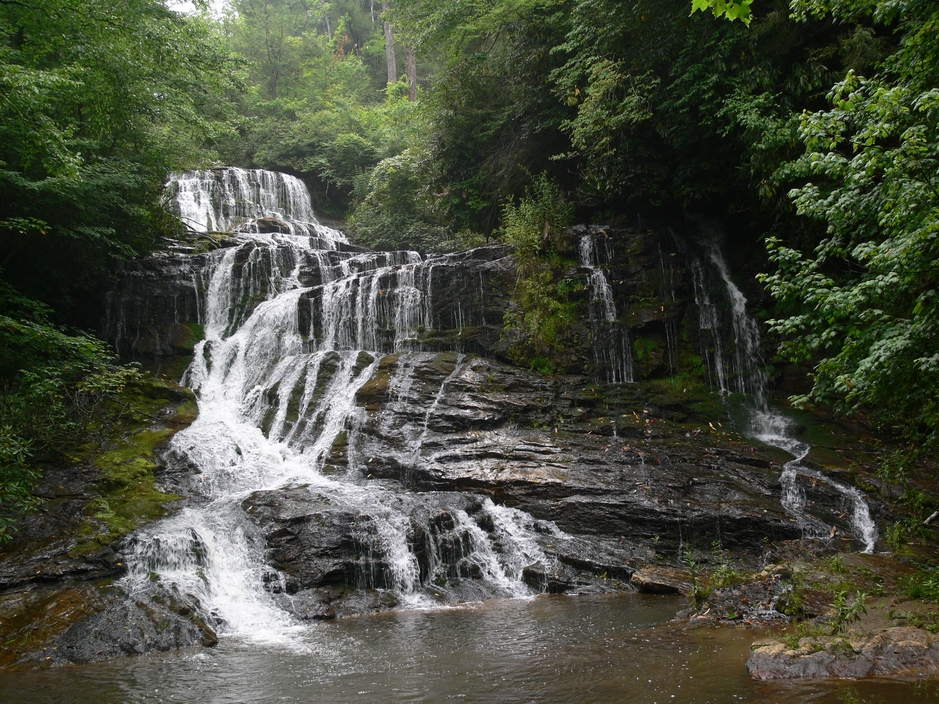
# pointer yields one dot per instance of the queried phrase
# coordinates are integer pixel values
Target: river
(571, 650)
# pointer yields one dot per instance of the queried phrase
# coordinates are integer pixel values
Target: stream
(568, 650)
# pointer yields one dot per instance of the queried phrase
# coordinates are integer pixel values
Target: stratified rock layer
(892, 651)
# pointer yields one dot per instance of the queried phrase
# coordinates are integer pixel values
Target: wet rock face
(155, 308)
(616, 477)
(331, 561)
(155, 302)
(599, 461)
(891, 651)
(316, 544)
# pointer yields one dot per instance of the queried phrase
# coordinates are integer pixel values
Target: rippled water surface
(546, 649)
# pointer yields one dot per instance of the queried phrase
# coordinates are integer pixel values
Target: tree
(411, 60)
(494, 117)
(97, 102)
(863, 303)
(389, 46)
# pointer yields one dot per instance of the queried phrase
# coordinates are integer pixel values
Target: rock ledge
(892, 651)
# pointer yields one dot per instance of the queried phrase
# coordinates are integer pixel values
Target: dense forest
(810, 131)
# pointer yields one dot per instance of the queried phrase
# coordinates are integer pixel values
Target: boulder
(892, 651)
(661, 580)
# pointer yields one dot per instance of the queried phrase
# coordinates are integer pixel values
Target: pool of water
(546, 649)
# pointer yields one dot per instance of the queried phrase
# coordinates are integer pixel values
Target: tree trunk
(390, 48)
(411, 58)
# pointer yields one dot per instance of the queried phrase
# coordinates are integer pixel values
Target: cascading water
(285, 352)
(611, 343)
(740, 371)
(249, 201)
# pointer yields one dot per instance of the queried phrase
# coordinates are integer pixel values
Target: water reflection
(546, 649)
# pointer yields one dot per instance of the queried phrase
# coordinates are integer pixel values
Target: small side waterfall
(739, 370)
(286, 348)
(611, 344)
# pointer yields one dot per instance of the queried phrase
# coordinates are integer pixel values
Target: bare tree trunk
(371, 10)
(411, 58)
(390, 48)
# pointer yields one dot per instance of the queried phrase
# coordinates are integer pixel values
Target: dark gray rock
(124, 627)
(315, 543)
(593, 465)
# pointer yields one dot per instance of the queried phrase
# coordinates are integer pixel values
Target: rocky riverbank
(59, 601)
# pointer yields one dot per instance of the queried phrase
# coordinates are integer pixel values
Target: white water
(611, 343)
(235, 200)
(275, 393)
(741, 371)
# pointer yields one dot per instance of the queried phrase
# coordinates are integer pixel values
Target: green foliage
(924, 585)
(726, 575)
(543, 309)
(863, 302)
(845, 612)
(792, 600)
(700, 590)
(17, 479)
(536, 225)
(54, 389)
(99, 100)
(665, 103)
(493, 117)
(399, 212)
(731, 9)
(316, 102)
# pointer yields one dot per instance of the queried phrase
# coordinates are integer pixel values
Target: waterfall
(738, 368)
(247, 200)
(611, 344)
(286, 349)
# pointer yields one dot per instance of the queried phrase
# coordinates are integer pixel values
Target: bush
(397, 211)
(544, 307)
(54, 392)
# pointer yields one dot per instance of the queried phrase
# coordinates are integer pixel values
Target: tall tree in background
(389, 45)
(411, 58)
(268, 38)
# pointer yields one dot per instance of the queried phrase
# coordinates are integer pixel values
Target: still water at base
(545, 649)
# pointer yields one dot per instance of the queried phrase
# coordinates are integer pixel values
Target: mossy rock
(126, 494)
(445, 362)
(374, 391)
(183, 337)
